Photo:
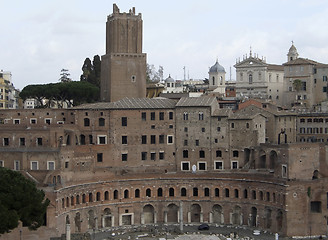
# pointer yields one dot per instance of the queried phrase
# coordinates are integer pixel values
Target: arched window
(67, 202)
(236, 193)
(185, 153)
(183, 192)
(126, 193)
(86, 122)
(245, 193)
(82, 139)
(195, 192)
(77, 199)
(206, 192)
(227, 192)
(101, 122)
(115, 194)
(171, 192)
(83, 198)
(160, 192)
(72, 200)
(213, 80)
(90, 197)
(98, 196)
(250, 78)
(106, 195)
(217, 192)
(137, 193)
(148, 192)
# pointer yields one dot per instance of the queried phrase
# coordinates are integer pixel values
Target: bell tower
(123, 67)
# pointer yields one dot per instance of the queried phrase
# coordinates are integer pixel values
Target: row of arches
(206, 192)
(267, 218)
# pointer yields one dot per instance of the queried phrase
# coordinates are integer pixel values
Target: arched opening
(195, 211)
(82, 139)
(268, 219)
(107, 218)
(77, 221)
(217, 214)
(91, 219)
(172, 213)
(253, 222)
(106, 196)
(262, 163)
(160, 192)
(279, 219)
(171, 192)
(115, 194)
(236, 216)
(148, 214)
(77, 199)
(273, 159)
(183, 192)
(126, 193)
(67, 220)
(247, 154)
(245, 193)
(137, 193)
(54, 180)
(315, 174)
(195, 192)
(90, 197)
(98, 197)
(148, 192)
(83, 198)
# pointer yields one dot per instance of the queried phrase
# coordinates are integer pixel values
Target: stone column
(68, 232)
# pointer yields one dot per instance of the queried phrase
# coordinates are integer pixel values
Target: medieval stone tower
(123, 67)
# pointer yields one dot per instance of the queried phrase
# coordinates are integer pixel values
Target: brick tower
(123, 67)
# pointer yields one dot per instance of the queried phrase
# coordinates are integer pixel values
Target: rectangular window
(152, 116)
(16, 121)
(315, 206)
(51, 165)
(101, 139)
(200, 116)
(34, 165)
(201, 154)
(67, 164)
(153, 156)
(203, 129)
(124, 121)
(5, 141)
(143, 116)
(234, 165)
(324, 89)
(2, 164)
(99, 157)
(197, 142)
(218, 153)
(169, 139)
(47, 121)
(39, 141)
(218, 165)
(33, 120)
(161, 155)
(201, 166)
(16, 165)
(185, 166)
(143, 156)
(170, 115)
(161, 139)
(144, 139)
(125, 140)
(161, 116)
(124, 157)
(185, 143)
(153, 139)
(218, 129)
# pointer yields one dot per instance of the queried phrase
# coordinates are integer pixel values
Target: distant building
(8, 94)
(312, 77)
(217, 78)
(258, 79)
(172, 86)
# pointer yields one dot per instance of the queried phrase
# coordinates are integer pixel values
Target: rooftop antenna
(184, 73)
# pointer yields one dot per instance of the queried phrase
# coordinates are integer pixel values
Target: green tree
(64, 76)
(20, 200)
(91, 71)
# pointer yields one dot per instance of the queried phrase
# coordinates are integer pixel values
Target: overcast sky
(39, 38)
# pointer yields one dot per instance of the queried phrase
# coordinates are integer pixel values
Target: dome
(217, 68)
(169, 79)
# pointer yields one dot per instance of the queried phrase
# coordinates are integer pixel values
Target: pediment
(251, 62)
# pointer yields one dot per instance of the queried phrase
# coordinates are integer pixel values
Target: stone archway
(262, 162)
(268, 218)
(195, 211)
(172, 213)
(273, 159)
(253, 217)
(77, 221)
(107, 218)
(247, 154)
(279, 219)
(148, 214)
(91, 219)
(236, 216)
(217, 214)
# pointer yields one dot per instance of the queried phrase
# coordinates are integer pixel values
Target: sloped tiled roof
(196, 101)
(132, 103)
(302, 61)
